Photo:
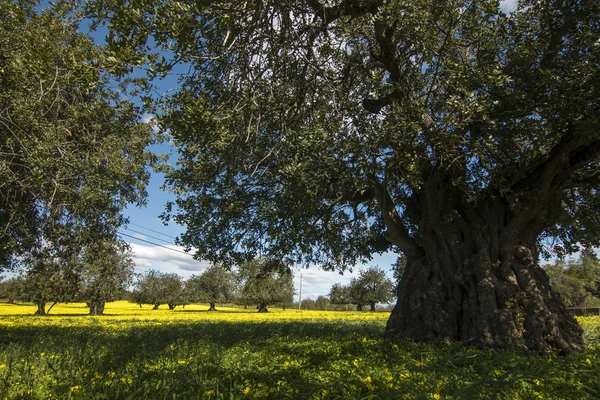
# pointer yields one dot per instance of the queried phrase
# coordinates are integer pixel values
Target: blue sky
(145, 226)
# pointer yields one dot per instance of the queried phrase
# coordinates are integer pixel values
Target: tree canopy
(72, 148)
(576, 281)
(324, 132)
(265, 282)
(371, 287)
(216, 284)
(107, 271)
(156, 288)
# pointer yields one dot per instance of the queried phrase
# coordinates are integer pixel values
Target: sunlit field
(134, 352)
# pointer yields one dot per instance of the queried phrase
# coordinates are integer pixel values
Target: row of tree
(103, 273)
(96, 274)
(256, 282)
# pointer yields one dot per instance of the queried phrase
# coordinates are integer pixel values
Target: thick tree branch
(396, 233)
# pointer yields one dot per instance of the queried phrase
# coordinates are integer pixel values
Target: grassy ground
(189, 353)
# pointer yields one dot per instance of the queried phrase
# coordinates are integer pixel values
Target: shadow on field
(119, 343)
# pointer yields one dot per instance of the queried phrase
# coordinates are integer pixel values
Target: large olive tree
(326, 131)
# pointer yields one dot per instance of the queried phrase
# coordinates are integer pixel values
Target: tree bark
(212, 307)
(372, 307)
(475, 286)
(359, 307)
(41, 308)
(52, 306)
(156, 306)
(262, 307)
(172, 306)
(96, 307)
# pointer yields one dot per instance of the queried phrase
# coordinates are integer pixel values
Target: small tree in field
(215, 285)
(265, 282)
(53, 276)
(339, 294)
(322, 303)
(371, 287)
(12, 289)
(107, 271)
(156, 288)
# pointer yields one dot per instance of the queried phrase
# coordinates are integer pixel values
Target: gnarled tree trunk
(156, 305)
(262, 307)
(96, 307)
(481, 286)
(41, 308)
(212, 307)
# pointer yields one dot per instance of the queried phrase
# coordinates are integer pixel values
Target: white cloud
(508, 6)
(168, 258)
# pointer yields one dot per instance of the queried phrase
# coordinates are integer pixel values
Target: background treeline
(577, 281)
(104, 273)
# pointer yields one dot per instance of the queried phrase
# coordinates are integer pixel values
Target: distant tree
(215, 285)
(52, 276)
(322, 303)
(156, 288)
(308, 304)
(339, 294)
(371, 287)
(577, 281)
(265, 282)
(12, 289)
(107, 271)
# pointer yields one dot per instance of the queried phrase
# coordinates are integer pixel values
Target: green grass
(191, 354)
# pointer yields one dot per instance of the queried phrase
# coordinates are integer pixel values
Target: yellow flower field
(140, 353)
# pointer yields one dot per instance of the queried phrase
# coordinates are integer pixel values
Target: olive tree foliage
(215, 285)
(339, 294)
(326, 131)
(372, 286)
(12, 289)
(576, 281)
(156, 288)
(72, 149)
(51, 275)
(265, 282)
(107, 272)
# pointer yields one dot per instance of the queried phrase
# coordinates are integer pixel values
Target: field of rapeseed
(134, 353)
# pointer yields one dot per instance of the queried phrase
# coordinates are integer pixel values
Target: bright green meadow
(138, 353)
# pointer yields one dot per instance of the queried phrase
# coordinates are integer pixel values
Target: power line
(317, 286)
(156, 244)
(145, 234)
(152, 230)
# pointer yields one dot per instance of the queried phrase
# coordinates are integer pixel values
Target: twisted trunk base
(458, 294)
(96, 307)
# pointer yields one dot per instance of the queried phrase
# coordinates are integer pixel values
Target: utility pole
(300, 294)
